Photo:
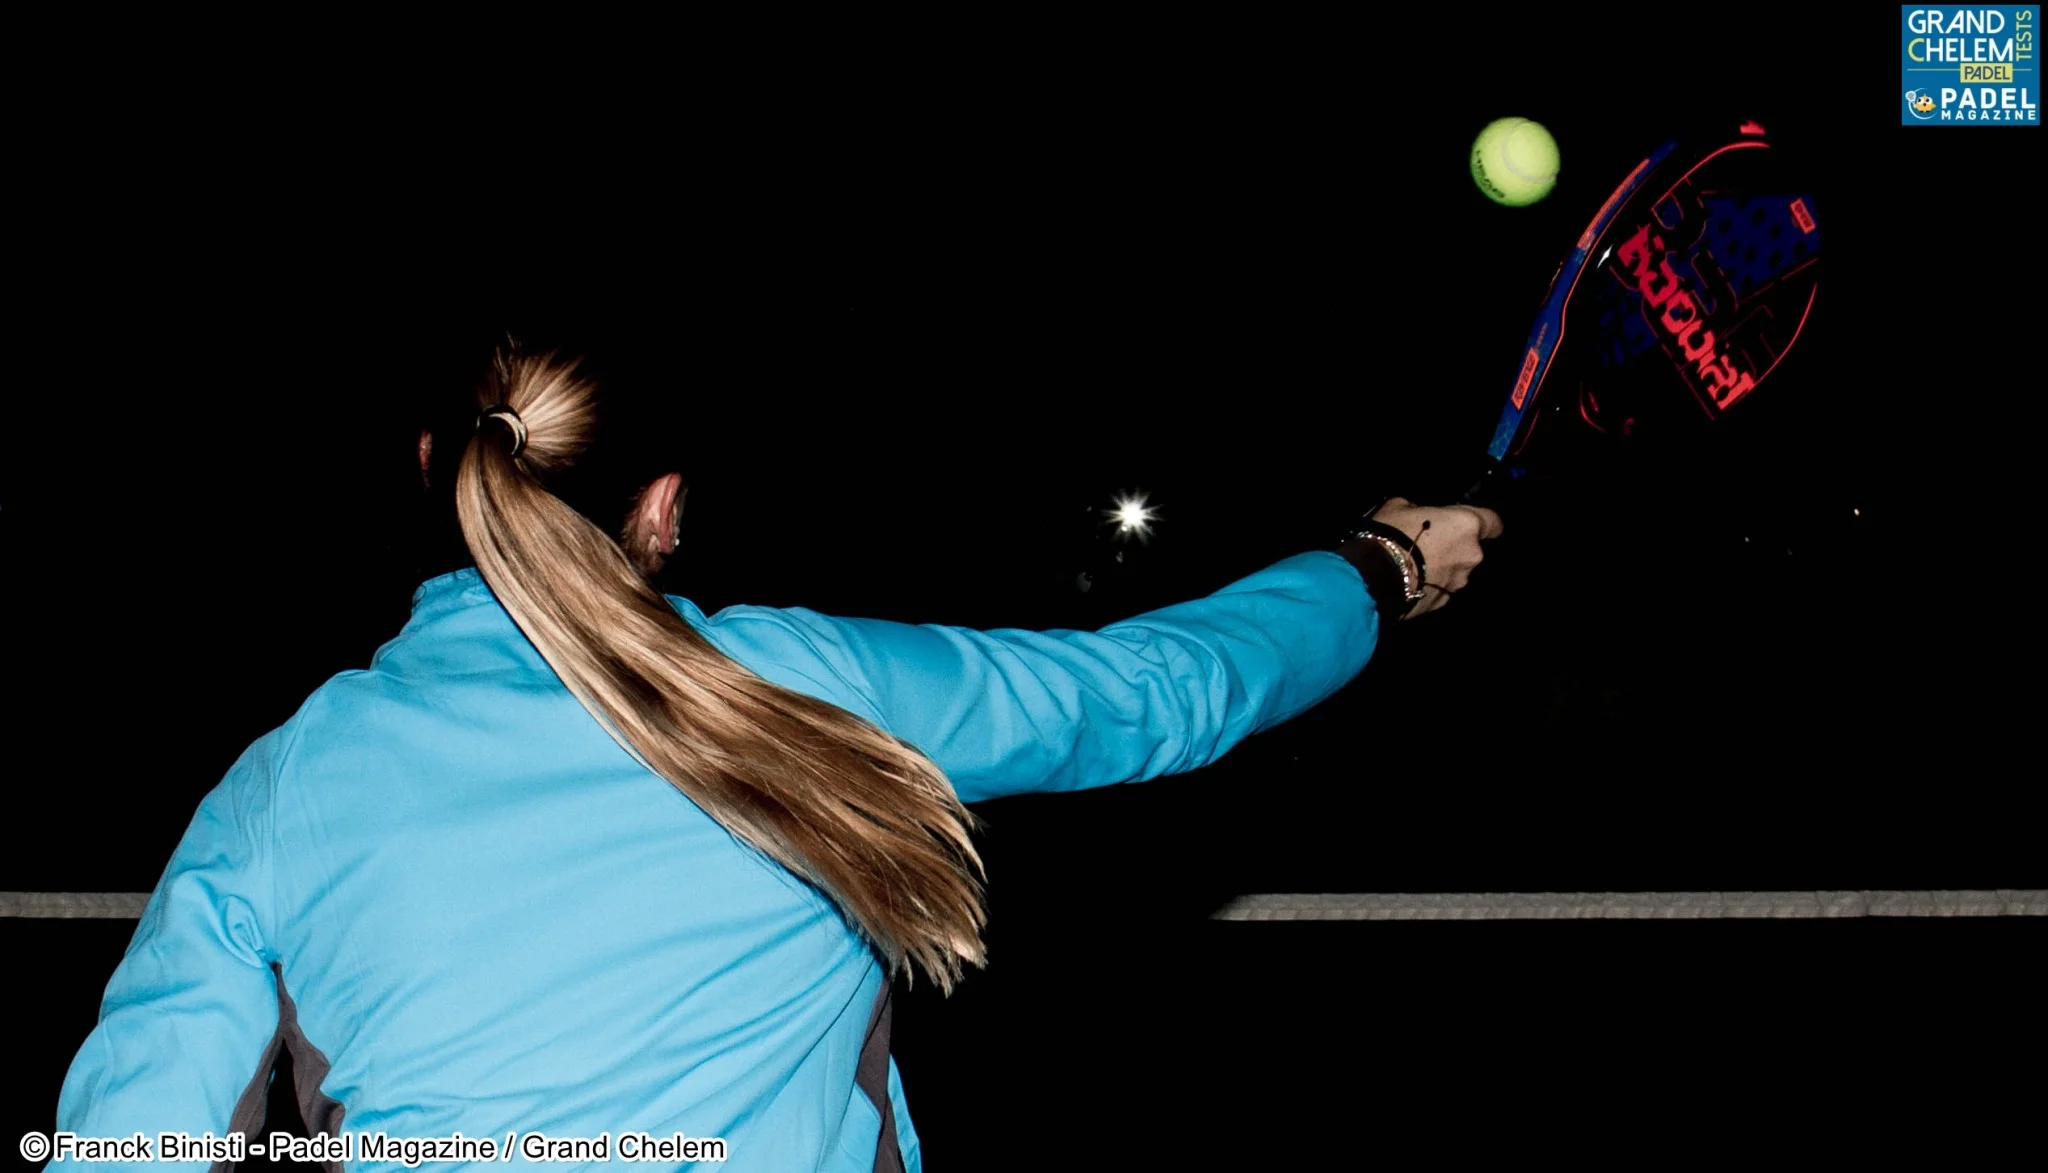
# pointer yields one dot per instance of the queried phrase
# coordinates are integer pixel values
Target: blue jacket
(487, 918)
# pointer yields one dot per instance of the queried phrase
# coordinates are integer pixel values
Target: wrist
(1387, 560)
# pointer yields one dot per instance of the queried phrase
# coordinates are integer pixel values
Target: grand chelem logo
(1970, 63)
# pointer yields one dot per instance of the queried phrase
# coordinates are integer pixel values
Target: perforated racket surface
(1674, 307)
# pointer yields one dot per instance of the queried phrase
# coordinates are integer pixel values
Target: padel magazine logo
(1970, 65)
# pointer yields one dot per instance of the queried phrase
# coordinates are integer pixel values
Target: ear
(660, 514)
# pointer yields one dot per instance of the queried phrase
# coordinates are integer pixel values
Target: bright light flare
(1133, 517)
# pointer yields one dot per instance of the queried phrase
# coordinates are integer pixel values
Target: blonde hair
(865, 817)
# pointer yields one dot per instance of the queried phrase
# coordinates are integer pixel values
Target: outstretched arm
(1007, 712)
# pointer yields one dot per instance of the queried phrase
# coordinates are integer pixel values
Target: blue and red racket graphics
(1676, 305)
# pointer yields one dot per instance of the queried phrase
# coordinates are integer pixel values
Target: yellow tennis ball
(1514, 161)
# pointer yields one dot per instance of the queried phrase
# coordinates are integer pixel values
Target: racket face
(1678, 301)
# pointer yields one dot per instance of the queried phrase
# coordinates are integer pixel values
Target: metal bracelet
(1411, 565)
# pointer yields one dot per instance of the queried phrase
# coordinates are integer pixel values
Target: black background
(933, 317)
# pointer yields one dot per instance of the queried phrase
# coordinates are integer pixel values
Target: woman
(467, 907)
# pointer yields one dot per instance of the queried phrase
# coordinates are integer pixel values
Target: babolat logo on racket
(1715, 272)
(1682, 319)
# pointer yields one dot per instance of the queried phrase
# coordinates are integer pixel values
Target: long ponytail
(865, 817)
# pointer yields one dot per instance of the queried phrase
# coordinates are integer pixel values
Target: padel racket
(1674, 307)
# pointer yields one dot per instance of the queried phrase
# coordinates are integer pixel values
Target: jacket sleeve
(1007, 712)
(191, 1010)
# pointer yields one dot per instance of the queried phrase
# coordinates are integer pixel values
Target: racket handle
(1488, 487)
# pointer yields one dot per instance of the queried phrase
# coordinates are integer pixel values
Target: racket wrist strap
(1389, 563)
